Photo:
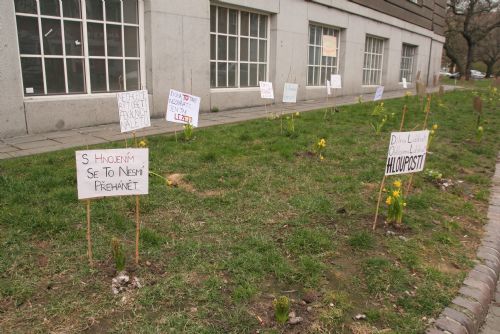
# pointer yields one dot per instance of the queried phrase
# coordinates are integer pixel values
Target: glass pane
(97, 75)
(244, 23)
(213, 77)
(233, 48)
(233, 22)
(310, 81)
(262, 50)
(132, 74)
(32, 76)
(253, 50)
(243, 75)
(115, 71)
(318, 35)
(113, 10)
(130, 12)
(317, 55)
(114, 34)
(213, 47)
(71, 8)
(323, 74)
(49, 7)
(222, 52)
(254, 24)
(221, 75)
(76, 81)
(262, 73)
(222, 20)
(51, 33)
(213, 18)
(231, 75)
(54, 72)
(316, 76)
(253, 75)
(244, 49)
(25, 6)
(95, 32)
(73, 38)
(131, 41)
(263, 26)
(94, 9)
(27, 32)
(311, 55)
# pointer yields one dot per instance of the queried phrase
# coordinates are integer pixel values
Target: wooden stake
(89, 240)
(137, 229)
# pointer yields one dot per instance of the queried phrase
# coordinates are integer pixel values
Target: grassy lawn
(256, 216)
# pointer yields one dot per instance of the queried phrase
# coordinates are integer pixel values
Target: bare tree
(488, 51)
(471, 23)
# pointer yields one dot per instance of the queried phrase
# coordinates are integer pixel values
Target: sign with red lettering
(117, 172)
(407, 151)
(183, 108)
(133, 108)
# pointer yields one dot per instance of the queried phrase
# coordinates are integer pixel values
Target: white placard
(266, 90)
(117, 172)
(405, 83)
(290, 93)
(379, 93)
(407, 151)
(329, 46)
(328, 87)
(133, 108)
(336, 81)
(183, 108)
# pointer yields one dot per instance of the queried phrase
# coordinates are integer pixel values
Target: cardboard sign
(290, 93)
(405, 83)
(407, 151)
(329, 46)
(133, 108)
(328, 87)
(183, 108)
(266, 90)
(117, 172)
(336, 80)
(379, 93)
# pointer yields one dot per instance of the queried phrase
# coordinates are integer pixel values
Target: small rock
(405, 239)
(360, 317)
(390, 233)
(193, 309)
(309, 309)
(148, 263)
(302, 302)
(310, 297)
(342, 210)
(291, 314)
(295, 320)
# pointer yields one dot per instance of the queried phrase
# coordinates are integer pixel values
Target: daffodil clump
(319, 147)
(381, 117)
(281, 309)
(360, 99)
(395, 203)
(290, 126)
(479, 133)
(143, 143)
(188, 132)
(432, 133)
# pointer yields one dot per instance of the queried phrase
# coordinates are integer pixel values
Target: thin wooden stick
(175, 134)
(378, 202)
(137, 229)
(89, 240)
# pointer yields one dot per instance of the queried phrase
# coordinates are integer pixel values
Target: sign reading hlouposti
(407, 151)
(116, 172)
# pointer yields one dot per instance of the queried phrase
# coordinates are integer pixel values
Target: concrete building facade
(62, 62)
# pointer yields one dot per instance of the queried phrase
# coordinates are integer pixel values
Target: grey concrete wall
(12, 120)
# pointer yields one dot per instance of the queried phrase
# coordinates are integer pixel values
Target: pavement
(53, 141)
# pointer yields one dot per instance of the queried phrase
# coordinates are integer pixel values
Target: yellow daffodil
(408, 93)
(404, 204)
(384, 190)
(433, 132)
(480, 129)
(321, 157)
(388, 201)
(142, 143)
(435, 127)
(397, 184)
(297, 114)
(169, 183)
(395, 193)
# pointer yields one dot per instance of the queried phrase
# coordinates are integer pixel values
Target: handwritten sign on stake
(183, 108)
(266, 90)
(116, 172)
(379, 93)
(290, 93)
(133, 108)
(407, 151)
(336, 80)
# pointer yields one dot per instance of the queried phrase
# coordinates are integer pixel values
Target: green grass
(261, 218)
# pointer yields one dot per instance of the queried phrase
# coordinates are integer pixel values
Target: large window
(78, 46)
(407, 62)
(319, 66)
(238, 48)
(373, 63)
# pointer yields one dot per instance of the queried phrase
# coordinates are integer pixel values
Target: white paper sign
(290, 93)
(133, 108)
(405, 83)
(336, 80)
(379, 93)
(328, 87)
(329, 46)
(117, 172)
(183, 108)
(407, 151)
(266, 90)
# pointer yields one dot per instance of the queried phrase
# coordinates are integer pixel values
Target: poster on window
(407, 151)
(266, 90)
(183, 108)
(114, 172)
(405, 83)
(336, 80)
(290, 93)
(328, 87)
(379, 93)
(133, 109)
(329, 46)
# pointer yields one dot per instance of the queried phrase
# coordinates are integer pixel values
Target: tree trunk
(489, 68)
(470, 56)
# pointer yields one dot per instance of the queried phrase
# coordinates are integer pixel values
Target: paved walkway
(53, 141)
(492, 324)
